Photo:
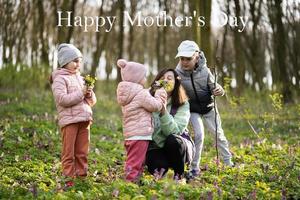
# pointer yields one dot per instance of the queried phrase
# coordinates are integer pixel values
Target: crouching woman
(171, 146)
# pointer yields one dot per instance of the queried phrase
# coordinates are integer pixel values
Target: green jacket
(167, 124)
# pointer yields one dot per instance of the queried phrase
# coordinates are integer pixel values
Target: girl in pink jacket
(137, 107)
(73, 102)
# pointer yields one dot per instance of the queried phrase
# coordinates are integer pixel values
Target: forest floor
(263, 134)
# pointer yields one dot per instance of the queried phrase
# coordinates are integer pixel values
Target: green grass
(267, 163)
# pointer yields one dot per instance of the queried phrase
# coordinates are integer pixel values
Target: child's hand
(163, 109)
(218, 91)
(88, 91)
(162, 94)
(84, 90)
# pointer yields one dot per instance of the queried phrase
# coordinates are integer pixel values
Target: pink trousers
(136, 153)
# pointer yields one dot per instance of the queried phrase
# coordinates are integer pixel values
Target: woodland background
(259, 69)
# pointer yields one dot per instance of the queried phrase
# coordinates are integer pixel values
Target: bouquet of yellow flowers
(168, 86)
(89, 81)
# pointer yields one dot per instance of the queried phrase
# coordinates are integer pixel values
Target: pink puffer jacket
(137, 107)
(71, 104)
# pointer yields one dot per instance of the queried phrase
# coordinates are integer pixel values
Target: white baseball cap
(187, 48)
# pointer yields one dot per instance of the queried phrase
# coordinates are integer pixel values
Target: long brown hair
(178, 94)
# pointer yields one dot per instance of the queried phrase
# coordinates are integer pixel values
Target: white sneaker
(229, 163)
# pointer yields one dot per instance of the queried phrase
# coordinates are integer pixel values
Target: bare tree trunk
(256, 50)
(164, 38)
(101, 39)
(194, 6)
(239, 55)
(34, 42)
(44, 48)
(5, 19)
(64, 32)
(98, 50)
(54, 13)
(71, 29)
(121, 35)
(205, 42)
(223, 47)
(293, 41)
(280, 52)
(133, 4)
(108, 67)
(23, 27)
(158, 43)
(280, 49)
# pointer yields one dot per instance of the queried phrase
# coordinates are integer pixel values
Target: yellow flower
(89, 81)
(167, 85)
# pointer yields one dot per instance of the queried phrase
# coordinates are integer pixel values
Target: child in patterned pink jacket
(137, 107)
(73, 102)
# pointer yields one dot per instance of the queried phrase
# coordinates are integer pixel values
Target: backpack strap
(173, 110)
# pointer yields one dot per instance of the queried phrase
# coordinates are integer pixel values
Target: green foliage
(21, 76)
(267, 167)
(276, 101)
(227, 81)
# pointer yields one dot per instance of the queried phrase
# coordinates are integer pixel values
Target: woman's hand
(163, 110)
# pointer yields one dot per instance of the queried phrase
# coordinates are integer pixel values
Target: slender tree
(239, 55)
(121, 35)
(194, 7)
(65, 33)
(205, 31)
(42, 39)
(280, 48)
(133, 5)
(99, 47)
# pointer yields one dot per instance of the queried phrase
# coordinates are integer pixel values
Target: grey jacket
(202, 78)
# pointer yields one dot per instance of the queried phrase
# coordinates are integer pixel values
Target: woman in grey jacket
(199, 84)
